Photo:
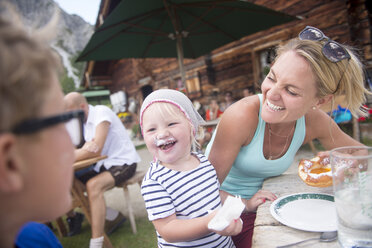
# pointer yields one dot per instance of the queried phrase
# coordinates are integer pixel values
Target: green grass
(366, 141)
(123, 237)
(138, 147)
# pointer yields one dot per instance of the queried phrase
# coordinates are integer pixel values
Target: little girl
(180, 187)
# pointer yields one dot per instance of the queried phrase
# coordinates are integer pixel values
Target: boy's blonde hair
(27, 66)
(347, 73)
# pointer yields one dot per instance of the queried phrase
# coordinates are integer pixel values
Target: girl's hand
(234, 228)
(259, 198)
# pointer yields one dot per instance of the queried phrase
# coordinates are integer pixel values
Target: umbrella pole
(180, 59)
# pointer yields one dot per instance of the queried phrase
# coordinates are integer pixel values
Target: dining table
(269, 232)
(211, 123)
(79, 194)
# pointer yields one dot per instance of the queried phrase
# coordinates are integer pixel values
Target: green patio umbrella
(176, 28)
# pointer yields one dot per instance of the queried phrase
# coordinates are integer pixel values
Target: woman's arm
(182, 230)
(319, 125)
(235, 129)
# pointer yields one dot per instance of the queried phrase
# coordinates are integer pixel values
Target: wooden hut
(239, 64)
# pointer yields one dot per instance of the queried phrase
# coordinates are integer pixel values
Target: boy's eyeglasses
(73, 121)
(332, 50)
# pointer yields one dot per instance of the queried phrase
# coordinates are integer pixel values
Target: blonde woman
(259, 136)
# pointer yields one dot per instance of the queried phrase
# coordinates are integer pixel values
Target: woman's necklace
(286, 141)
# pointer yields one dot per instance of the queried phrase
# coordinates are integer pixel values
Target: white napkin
(231, 210)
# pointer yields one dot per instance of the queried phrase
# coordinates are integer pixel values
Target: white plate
(306, 211)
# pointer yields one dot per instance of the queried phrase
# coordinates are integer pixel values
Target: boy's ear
(10, 173)
(324, 100)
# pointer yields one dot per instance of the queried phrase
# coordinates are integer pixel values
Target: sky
(86, 9)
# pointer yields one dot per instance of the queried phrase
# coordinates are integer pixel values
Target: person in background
(104, 135)
(36, 146)
(248, 91)
(259, 135)
(228, 101)
(199, 107)
(180, 187)
(213, 113)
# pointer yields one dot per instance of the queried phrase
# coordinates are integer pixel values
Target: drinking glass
(352, 185)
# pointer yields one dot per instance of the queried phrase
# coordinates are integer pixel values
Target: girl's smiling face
(167, 134)
(289, 90)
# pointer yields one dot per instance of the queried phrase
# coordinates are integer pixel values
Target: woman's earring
(314, 108)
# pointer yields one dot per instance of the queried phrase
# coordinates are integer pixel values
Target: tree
(67, 84)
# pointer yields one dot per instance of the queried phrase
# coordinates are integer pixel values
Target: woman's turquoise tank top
(250, 167)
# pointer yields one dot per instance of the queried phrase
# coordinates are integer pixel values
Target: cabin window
(266, 58)
(191, 86)
(262, 58)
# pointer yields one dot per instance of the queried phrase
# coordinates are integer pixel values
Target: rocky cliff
(72, 33)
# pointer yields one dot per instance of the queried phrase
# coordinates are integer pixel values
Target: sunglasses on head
(332, 50)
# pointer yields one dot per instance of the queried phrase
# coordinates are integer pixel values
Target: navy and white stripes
(188, 194)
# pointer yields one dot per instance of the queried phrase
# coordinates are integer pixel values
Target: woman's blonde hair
(348, 73)
(165, 109)
(26, 68)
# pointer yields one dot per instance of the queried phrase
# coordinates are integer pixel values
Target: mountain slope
(72, 32)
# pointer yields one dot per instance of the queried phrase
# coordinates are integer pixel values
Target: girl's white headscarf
(176, 98)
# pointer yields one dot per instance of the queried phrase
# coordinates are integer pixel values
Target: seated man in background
(104, 134)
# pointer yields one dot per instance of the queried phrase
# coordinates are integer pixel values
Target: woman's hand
(259, 198)
(323, 154)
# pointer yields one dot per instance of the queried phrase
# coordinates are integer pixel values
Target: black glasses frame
(34, 125)
(37, 124)
(330, 48)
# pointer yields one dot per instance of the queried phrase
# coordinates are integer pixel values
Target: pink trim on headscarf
(166, 101)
